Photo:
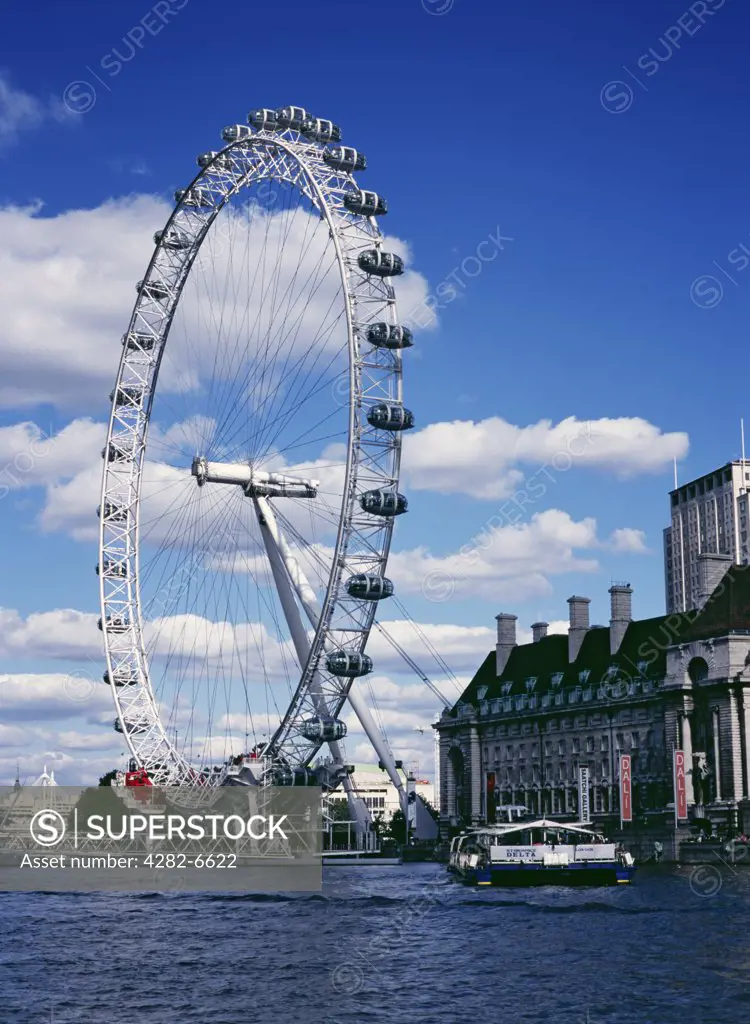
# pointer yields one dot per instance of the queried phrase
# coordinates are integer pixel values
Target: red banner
(680, 792)
(626, 788)
(491, 797)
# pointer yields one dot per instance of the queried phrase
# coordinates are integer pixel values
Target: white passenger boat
(540, 852)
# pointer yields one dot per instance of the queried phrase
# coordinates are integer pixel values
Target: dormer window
(556, 679)
(481, 693)
(583, 677)
(642, 666)
(506, 688)
(530, 683)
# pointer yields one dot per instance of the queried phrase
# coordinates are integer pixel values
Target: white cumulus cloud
(628, 541)
(484, 459)
(22, 112)
(67, 291)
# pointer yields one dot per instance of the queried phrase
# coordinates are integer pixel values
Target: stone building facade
(708, 515)
(534, 713)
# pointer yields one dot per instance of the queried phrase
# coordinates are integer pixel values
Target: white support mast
(285, 573)
(742, 438)
(310, 603)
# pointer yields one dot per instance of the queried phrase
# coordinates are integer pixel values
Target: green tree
(338, 810)
(380, 827)
(397, 828)
(108, 779)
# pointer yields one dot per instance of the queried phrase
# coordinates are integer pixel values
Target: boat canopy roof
(522, 826)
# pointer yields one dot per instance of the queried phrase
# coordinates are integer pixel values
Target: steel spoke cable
(257, 368)
(230, 377)
(250, 392)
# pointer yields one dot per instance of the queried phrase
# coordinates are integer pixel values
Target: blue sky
(606, 140)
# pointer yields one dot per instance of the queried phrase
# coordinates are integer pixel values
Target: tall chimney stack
(711, 570)
(579, 624)
(621, 614)
(506, 639)
(539, 630)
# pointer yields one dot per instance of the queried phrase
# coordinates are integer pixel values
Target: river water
(385, 944)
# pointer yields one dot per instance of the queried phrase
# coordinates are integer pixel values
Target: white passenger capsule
(127, 395)
(213, 162)
(130, 727)
(349, 664)
(115, 623)
(155, 290)
(344, 158)
(263, 119)
(368, 204)
(390, 416)
(122, 677)
(235, 132)
(135, 341)
(383, 335)
(196, 198)
(112, 512)
(116, 452)
(172, 239)
(380, 264)
(369, 587)
(110, 568)
(325, 729)
(383, 503)
(292, 117)
(318, 130)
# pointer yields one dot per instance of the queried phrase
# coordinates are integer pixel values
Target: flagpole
(674, 789)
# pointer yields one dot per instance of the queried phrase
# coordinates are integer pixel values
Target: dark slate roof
(728, 608)
(642, 652)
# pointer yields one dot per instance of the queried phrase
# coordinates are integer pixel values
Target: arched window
(698, 670)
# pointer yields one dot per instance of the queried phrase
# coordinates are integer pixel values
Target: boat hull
(522, 875)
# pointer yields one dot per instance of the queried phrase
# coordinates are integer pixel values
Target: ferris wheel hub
(256, 483)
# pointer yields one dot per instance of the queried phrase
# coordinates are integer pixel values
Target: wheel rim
(180, 679)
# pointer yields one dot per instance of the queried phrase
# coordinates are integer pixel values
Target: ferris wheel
(251, 467)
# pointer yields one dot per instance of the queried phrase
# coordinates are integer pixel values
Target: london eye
(251, 467)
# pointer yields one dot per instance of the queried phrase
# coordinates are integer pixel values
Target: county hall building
(535, 713)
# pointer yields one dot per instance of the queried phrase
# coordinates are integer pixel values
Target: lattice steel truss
(372, 462)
